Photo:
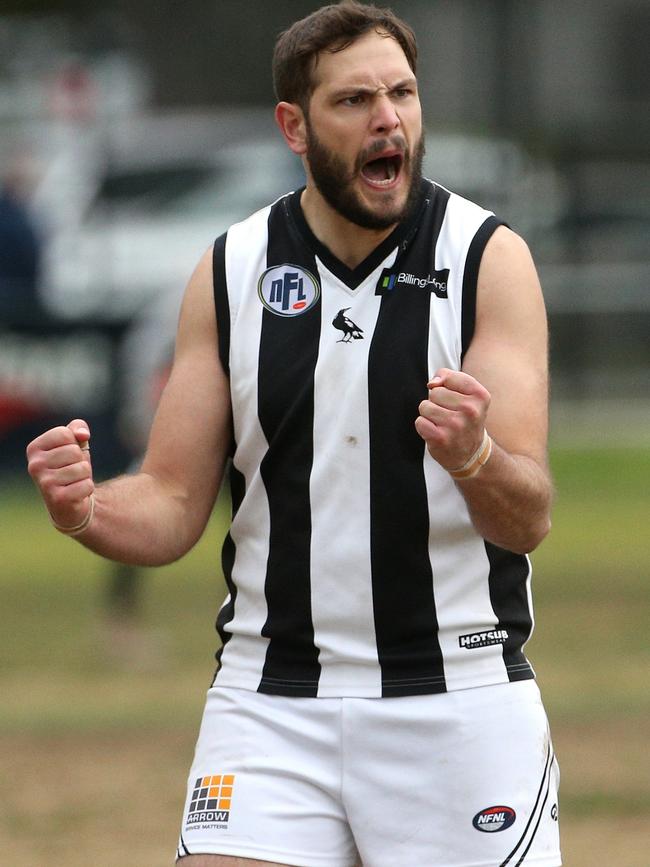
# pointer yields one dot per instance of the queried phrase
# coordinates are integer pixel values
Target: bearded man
(372, 703)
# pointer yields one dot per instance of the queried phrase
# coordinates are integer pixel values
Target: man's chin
(383, 208)
(366, 205)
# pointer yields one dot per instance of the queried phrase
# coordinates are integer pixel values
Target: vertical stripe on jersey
(228, 553)
(470, 280)
(287, 359)
(509, 578)
(221, 303)
(222, 312)
(342, 605)
(402, 579)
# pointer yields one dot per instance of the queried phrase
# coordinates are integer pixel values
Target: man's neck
(351, 244)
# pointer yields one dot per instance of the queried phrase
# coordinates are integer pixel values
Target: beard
(336, 183)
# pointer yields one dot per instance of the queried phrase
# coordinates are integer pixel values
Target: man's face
(364, 132)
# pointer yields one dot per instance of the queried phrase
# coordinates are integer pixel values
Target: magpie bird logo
(346, 325)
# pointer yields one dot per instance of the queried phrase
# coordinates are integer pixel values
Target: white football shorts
(460, 779)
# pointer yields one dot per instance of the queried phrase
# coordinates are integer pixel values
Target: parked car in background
(162, 190)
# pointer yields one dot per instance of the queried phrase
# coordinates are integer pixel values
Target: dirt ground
(114, 800)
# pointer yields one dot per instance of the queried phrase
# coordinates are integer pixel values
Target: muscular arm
(503, 387)
(156, 515)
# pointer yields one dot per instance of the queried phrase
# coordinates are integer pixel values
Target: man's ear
(291, 120)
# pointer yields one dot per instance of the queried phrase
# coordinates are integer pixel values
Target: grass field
(94, 751)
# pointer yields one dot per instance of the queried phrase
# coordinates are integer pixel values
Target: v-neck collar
(402, 235)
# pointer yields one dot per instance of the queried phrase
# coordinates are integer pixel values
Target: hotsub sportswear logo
(288, 290)
(483, 639)
(211, 800)
(435, 283)
(494, 819)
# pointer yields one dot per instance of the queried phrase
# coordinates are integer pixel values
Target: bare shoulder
(197, 311)
(507, 272)
(505, 240)
(196, 364)
(509, 304)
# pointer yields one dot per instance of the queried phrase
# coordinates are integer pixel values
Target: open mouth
(384, 170)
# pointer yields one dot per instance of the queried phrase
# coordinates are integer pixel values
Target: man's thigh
(462, 779)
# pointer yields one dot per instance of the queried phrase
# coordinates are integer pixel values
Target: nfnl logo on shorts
(211, 799)
(494, 819)
(288, 290)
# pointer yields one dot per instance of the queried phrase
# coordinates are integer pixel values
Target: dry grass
(108, 800)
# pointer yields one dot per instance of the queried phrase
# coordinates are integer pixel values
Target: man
(372, 702)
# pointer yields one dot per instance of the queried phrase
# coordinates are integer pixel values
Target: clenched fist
(452, 419)
(59, 462)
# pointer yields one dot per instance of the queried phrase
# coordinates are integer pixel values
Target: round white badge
(288, 290)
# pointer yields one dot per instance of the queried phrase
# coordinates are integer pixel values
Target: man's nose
(384, 117)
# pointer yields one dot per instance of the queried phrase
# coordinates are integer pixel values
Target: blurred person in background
(145, 363)
(20, 272)
(349, 347)
(20, 243)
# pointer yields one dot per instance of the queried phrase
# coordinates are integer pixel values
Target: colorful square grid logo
(211, 799)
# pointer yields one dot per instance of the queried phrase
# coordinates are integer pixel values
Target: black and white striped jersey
(352, 564)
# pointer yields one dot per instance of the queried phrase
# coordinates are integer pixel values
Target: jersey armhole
(221, 303)
(470, 280)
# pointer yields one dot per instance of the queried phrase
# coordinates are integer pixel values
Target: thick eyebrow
(342, 92)
(411, 81)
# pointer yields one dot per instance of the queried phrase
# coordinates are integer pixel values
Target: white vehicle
(155, 195)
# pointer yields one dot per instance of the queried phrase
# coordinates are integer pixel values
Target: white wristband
(79, 528)
(477, 461)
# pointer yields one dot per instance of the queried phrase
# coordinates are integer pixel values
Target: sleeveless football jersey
(352, 564)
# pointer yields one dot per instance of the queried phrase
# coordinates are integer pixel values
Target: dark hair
(331, 28)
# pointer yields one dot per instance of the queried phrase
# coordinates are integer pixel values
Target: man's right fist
(59, 462)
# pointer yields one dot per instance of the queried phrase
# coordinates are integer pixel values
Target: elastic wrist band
(477, 461)
(79, 528)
